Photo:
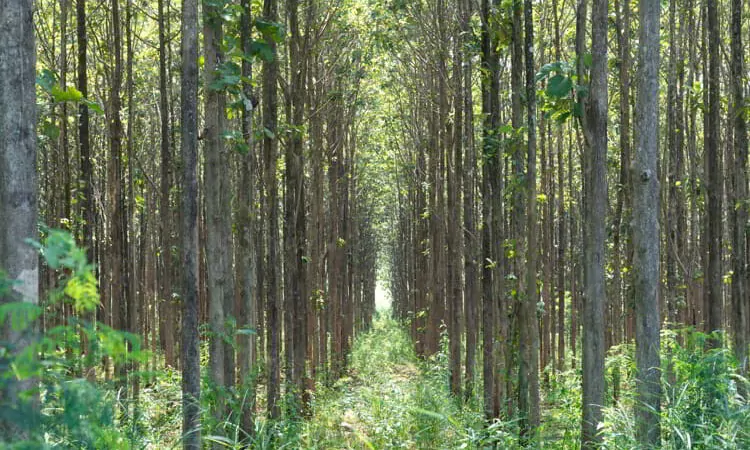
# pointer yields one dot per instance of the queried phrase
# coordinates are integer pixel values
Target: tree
(218, 211)
(270, 148)
(738, 206)
(468, 184)
(489, 147)
(714, 180)
(528, 385)
(86, 179)
(189, 229)
(595, 211)
(646, 241)
(18, 194)
(247, 251)
(165, 209)
(295, 233)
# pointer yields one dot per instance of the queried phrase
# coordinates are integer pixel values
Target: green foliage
(75, 412)
(50, 84)
(701, 408)
(563, 95)
(391, 399)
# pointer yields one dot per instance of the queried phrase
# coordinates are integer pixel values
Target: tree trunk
(270, 148)
(595, 129)
(86, 180)
(295, 246)
(18, 193)
(247, 256)
(189, 229)
(489, 64)
(646, 229)
(165, 212)
(471, 272)
(528, 385)
(714, 178)
(217, 192)
(738, 206)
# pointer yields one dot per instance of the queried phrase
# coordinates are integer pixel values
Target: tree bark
(18, 193)
(191, 413)
(217, 193)
(270, 149)
(739, 205)
(165, 212)
(528, 385)
(594, 221)
(247, 258)
(645, 224)
(714, 185)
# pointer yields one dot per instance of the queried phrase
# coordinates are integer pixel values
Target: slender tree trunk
(248, 253)
(528, 385)
(739, 205)
(270, 148)
(86, 180)
(118, 215)
(619, 300)
(595, 129)
(489, 64)
(714, 179)
(561, 238)
(294, 212)
(471, 272)
(646, 229)
(453, 260)
(217, 192)
(167, 322)
(189, 229)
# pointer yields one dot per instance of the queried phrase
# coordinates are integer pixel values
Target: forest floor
(390, 399)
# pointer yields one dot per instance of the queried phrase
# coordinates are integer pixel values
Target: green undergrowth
(388, 399)
(391, 399)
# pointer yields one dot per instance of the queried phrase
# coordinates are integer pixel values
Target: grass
(390, 399)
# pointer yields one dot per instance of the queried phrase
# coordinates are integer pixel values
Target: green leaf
(262, 50)
(47, 79)
(268, 133)
(242, 148)
(70, 94)
(92, 105)
(50, 130)
(559, 86)
(274, 30)
(83, 290)
(546, 70)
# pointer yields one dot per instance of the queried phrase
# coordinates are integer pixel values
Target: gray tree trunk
(646, 228)
(247, 256)
(739, 195)
(215, 177)
(270, 148)
(715, 179)
(529, 326)
(18, 188)
(189, 229)
(595, 211)
(489, 64)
